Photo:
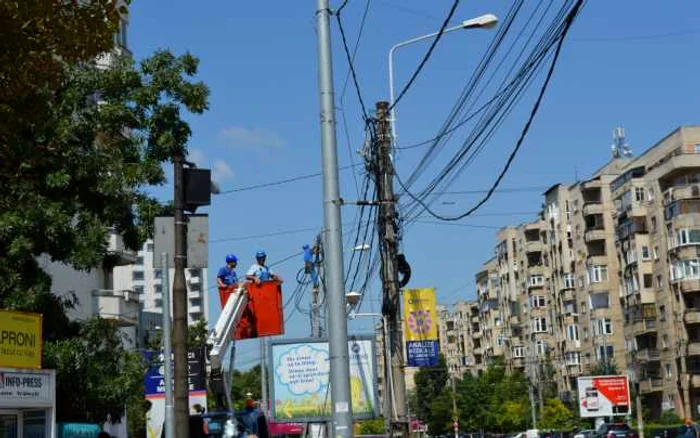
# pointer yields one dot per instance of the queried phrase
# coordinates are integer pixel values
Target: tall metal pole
(338, 330)
(263, 374)
(388, 238)
(182, 419)
(167, 348)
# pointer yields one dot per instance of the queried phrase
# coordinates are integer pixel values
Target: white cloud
(246, 138)
(221, 171)
(196, 156)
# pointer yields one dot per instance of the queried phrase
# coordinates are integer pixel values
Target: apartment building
(608, 277)
(147, 282)
(492, 338)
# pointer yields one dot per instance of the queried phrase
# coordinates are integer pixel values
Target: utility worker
(260, 272)
(309, 264)
(227, 274)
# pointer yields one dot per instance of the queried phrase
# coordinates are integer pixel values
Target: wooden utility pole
(388, 240)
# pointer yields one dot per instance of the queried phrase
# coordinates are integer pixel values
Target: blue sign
(422, 353)
(154, 380)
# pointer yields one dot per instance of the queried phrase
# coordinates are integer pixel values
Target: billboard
(603, 396)
(420, 327)
(154, 383)
(300, 371)
(20, 339)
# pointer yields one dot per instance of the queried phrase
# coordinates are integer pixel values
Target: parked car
(666, 432)
(586, 433)
(615, 430)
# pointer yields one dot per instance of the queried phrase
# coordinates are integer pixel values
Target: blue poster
(422, 353)
(154, 380)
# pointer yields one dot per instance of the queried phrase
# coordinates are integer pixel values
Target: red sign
(614, 389)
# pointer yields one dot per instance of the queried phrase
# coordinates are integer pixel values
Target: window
(536, 280)
(600, 300)
(605, 352)
(572, 357)
(158, 288)
(659, 282)
(685, 269)
(653, 224)
(686, 236)
(603, 326)
(139, 261)
(569, 281)
(585, 333)
(138, 290)
(196, 302)
(648, 280)
(149, 247)
(541, 348)
(656, 253)
(668, 370)
(159, 303)
(572, 333)
(498, 322)
(137, 275)
(501, 340)
(518, 352)
(662, 313)
(639, 194)
(597, 274)
(537, 301)
(664, 341)
(645, 253)
(539, 325)
(157, 274)
(696, 148)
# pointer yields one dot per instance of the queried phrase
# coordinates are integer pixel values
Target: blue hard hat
(305, 247)
(260, 254)
(231, 258)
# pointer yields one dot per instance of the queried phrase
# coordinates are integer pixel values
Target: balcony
(683, 212)
(592, 208)
(478, 351)
(691, 191)
(648, 386)
(194, 280)
(689, 284)
(477, 334)
(642, 326)
(568, 295)
(518, 362)
(597, 259)
(648, 355)
(475, 319)
(117, 249)
(535, 246)
(595, 234)
(191, 294)
(694, 348)
(121, 306)
(692, 316)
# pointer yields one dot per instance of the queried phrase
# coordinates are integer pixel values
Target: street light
(486, 21)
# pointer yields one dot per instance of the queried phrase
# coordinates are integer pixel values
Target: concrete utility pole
(182, 417)
(338, 330)
(167, 348)
(388, 240)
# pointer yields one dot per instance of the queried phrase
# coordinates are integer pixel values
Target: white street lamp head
(352, 297)
(487, 21)
(361, 247)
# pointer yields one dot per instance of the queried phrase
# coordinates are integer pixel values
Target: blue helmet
(231, 258)
(260, 255)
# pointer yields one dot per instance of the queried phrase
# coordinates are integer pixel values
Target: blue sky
(626, 63)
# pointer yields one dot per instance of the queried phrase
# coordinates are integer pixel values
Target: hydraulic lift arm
(219, 341)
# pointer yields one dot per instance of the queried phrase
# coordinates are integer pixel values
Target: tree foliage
(95, 377)
(78, 145)
(556, 416)
(430, 383)
(244, 382)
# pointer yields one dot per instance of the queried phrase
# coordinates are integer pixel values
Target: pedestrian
(227, 274)
(260, 272)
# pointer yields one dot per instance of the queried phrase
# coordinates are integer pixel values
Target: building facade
(606, 279)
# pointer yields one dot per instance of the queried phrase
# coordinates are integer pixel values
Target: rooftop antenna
(620, 148)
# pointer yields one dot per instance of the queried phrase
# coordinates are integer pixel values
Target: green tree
(556, 416)
(244, 382)
(430, 383)
(95, 377)
(67, 180)
(371, 427)
(603, 369)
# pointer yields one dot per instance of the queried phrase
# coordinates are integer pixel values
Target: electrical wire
(526, 128)
(351, 64)
(282, 181)
(426, 56)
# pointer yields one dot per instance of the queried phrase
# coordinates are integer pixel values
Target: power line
(427, 54)
(351, 63)
(259, 236)
(282, 181)
(569, 21)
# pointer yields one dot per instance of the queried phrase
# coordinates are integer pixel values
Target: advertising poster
(154, 382)
(420, 327)
(603, 396)
(300, 373)
(20, 339)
